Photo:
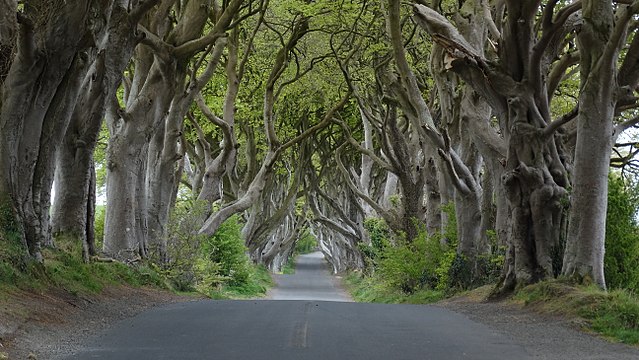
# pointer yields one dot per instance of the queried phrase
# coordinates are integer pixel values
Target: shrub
(621, 263)
(227, 249)
(200, 262)
(423, 263)
(183, 246)
(380, 236)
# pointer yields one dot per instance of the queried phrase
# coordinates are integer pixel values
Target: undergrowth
(216, 266)
(63, 268)
(257, 284)
(372, 289)
(614, 314)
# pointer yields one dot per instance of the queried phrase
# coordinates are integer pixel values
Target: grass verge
(372, 289)
(289, 267)
(614, 314)
(63, 268)
(258, 283)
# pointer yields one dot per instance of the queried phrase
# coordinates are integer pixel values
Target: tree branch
(620, 128)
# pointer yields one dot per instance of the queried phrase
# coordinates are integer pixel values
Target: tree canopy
(312, 117)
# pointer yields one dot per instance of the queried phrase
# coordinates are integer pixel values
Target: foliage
(226, 248)
(489, 266)
(614, 314)
(428, 263)
(257, 283)
(289, 267)
(100, 213)
(214, 265)
(183, 247)
(423, 263)
(306, 244)
(379, 234)
(621, 263)
(366, 288)
(13, 256)
(63, 268)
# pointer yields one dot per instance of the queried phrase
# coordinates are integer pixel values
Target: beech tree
(155, 90)
(519, 85)
(603, 89)
(52, 43)
(73, 207)
(302, 116)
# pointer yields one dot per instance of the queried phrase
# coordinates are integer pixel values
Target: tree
(38, 97)
(157, 83)
(602, 91)
(535, 177)
(73, 207)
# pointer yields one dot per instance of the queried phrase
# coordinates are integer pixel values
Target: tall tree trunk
(599, 43)
(74, 163)
(126, 213)
(38, 96)
(535, 178)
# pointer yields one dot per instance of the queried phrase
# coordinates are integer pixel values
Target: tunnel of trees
(502, 118)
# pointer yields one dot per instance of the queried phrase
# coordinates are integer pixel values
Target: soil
(54, 323)
(542, 336)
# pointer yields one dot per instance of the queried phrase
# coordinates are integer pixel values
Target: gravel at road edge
(542, 336)
(58, 323)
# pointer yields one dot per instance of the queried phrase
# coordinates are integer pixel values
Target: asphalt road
(311, 281)
(316, 325)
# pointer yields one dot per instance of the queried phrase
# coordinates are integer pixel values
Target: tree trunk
(90, 223)
(37, 99)
(584, 255)
(74, 160)
(74, 163)
(535, 199)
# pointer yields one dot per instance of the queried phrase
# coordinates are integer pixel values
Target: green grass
(258, 283)
(289, 267)
(372, 289)
(614, 314)
(63, 268)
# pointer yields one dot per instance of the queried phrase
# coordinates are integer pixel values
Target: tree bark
(74, 176)
(599, 42)
(535, 177)
(38, 96)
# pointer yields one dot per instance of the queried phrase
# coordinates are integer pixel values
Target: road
(311, 281)
(307, 318)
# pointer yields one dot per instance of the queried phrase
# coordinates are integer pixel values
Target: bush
(621, 263)
(379, 234)
(227, 249)
(428, 262)
(183, 246)
(205, 263)
(423, 263)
